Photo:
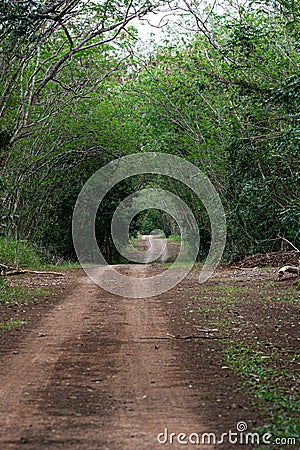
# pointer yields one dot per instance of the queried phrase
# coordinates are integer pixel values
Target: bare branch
(288, 242)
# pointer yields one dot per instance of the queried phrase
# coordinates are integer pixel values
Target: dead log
(289, 243)
(6, 270)
(287, 269)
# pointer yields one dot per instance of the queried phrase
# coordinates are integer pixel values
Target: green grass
(17, 294)
(206, 310)
(11, 323)
(289, 297)
(267, 373)
(64, 265)
(135, 242)
(227, 288)
(275, 388)
(179, 265)
(174, 238)
(19, 253)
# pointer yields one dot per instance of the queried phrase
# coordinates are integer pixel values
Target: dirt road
(98, 371)
(91, 375)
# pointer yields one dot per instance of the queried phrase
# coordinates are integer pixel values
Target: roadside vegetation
(259, 320)
(221, 89)
(268, 374)
(13, 299)
(20, 253)
(12, 324)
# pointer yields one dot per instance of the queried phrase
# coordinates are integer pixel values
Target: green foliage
(4, 140)
(225, 98)
(19, 18)
(232, 109)
(11, 323)
(149, 220)
(19, 253)
(17, 294)
(174, 238)
(266, 382)
(2, 285)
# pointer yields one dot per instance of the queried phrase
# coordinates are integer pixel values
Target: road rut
(92, 375)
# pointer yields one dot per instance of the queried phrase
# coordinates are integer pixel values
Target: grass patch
(64, 265)
(174, 265)
(11, 323)
(179, 265)
(289, 297)
(205, 309)
(227, 288)
(268, 372)
(174, 238)
(19, 253)
(275, 389)
(136, 243)
(18, 294)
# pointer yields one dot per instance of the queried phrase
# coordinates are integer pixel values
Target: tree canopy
(77, 92)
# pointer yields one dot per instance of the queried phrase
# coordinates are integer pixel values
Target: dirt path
(89, 376)
(88, 372)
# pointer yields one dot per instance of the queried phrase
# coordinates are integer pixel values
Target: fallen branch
(287, 269)
(170, 337)
(288, 242)
(6, 270)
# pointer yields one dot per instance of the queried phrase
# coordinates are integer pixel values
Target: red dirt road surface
(92, 370)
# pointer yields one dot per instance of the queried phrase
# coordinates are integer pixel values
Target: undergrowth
(19, 253)
(18, 294)
(268, 372)
(274, 387)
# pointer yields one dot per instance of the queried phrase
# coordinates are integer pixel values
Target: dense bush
(19, 253)
(225, 96)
